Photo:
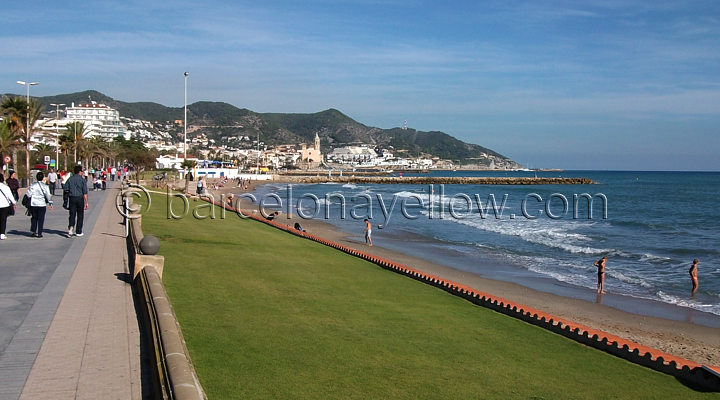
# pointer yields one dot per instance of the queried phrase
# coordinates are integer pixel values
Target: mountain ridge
(218, 120)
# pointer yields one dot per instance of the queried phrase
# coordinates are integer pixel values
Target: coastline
(685, 339)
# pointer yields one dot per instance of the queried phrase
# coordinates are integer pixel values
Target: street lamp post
(27, 128)
(57, 134)
(185, 121)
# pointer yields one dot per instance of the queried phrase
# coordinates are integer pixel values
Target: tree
(9, 140)
(34, 113)
(67, 143)
(188, 165)
(96, 147)
(134, 152)
(76, 130)
(13, 110)
(42, 150)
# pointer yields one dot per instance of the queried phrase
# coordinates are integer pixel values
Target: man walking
(78, 201)
(52, 181)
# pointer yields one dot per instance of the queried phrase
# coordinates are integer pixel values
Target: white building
(100, 120)
(354, 155)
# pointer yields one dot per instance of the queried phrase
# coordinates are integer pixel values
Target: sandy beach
(684, 339)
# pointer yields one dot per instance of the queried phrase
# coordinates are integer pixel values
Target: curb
(174, 376)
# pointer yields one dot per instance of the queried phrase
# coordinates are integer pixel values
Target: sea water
(650, 225)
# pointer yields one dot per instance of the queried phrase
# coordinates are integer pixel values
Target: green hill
(218, 120)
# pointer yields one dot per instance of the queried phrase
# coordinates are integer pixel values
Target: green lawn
(269, 315)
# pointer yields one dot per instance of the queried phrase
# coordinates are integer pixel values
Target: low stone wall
(706, 376)
(427, 180)
(174, 374)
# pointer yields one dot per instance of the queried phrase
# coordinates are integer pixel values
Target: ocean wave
(619, 253)
(628, 279)
(690, 303)
(556, 235)
(647, 257)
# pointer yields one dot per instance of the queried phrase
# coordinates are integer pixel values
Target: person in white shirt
(52, 181)
(7, 205)
(40, 198)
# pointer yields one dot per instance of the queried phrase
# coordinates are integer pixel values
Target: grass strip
(268, 315)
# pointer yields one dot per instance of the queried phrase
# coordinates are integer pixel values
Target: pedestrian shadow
(19, 233)
(113, 234)
(55, 232)
(27, 233)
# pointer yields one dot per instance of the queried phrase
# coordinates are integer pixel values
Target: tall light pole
(185, 121)
(57, 134)
(27, 129)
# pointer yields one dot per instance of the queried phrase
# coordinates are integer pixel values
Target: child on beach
(694, 276)
(600, 264)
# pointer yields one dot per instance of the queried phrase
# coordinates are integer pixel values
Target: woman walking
(40, 198)
(14, 185)
(7, 205)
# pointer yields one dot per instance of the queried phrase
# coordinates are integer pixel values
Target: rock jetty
(426, 180)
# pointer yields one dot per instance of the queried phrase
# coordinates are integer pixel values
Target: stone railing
(174, 376)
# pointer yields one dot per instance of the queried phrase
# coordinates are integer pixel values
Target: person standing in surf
(600, 264)
(694, 276)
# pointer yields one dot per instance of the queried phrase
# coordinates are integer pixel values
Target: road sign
(7, 159)
(47, 160)
(52, 163)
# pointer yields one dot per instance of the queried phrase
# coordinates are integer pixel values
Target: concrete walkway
(72, 328)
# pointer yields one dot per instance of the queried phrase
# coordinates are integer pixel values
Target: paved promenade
(68, 328)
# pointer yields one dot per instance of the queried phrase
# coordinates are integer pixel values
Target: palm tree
(76, 130)
(34, 113)
(14, 109)
(96, 146)
(9, 140)
(44, 149)
(67, 143)
(187, 165)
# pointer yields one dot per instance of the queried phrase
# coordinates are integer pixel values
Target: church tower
(317, 142)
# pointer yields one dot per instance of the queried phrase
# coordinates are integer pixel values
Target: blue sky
(597, 85)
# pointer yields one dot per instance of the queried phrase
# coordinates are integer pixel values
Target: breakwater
(448, 180)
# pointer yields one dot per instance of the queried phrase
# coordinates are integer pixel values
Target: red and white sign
(7, 159)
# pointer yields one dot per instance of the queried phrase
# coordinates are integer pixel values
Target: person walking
(52, 181)
(14, 185)
(201, 185)
(66, 192)
(368, 232)
(8, 205)
(77, 201)
(40, 200)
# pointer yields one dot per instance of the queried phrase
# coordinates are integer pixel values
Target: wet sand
(684, 339)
